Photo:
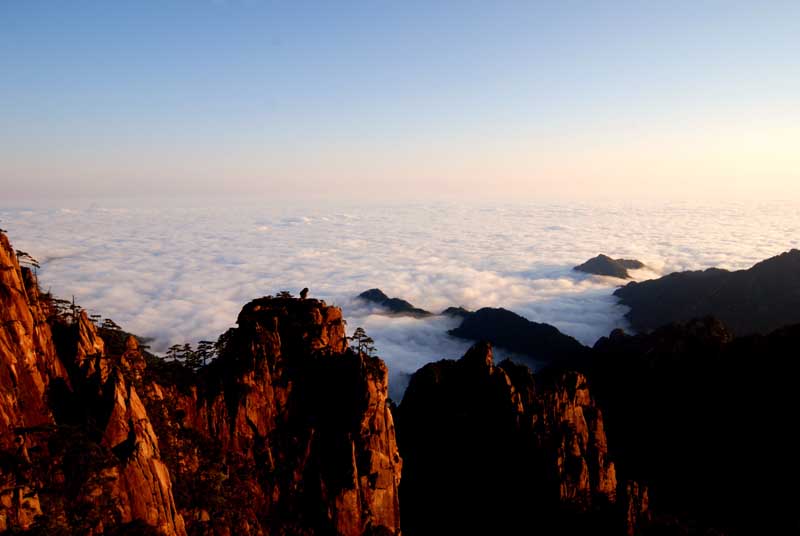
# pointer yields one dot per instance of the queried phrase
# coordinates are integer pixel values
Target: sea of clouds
(182, 273)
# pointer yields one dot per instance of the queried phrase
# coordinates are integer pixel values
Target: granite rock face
(295, 424)
(28, 365)
(140, 483)
(287, 432)
(72, 431)
(28, 360)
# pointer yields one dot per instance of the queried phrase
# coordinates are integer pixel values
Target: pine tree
(109, 324)
(174, 352)
(363, 342)
(205, 352)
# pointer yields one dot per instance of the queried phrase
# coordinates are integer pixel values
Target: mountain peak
(605, 265)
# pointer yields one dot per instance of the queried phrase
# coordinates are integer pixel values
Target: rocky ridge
(761, 299)
(298, 424)
(492, 447)
(288, 431)
(540, 342)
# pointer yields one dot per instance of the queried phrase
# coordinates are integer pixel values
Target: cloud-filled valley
(183, 274)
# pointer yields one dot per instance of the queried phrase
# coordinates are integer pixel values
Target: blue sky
(400, 99)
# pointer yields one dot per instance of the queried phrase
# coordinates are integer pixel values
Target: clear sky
(400, 100)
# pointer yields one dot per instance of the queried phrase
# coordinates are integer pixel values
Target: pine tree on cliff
(205, 352)
(75, 310)
(27, 259)
(109, 324)
(364, 343)
(174, 352)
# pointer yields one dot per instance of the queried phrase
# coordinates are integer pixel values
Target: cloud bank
(183, 274)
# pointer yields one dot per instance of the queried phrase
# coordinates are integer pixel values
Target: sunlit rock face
(296, 423)
(71, 424)
(288, 431)
(28, 364)
(28, 361)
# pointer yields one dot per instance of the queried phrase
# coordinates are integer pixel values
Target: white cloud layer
(183, 274)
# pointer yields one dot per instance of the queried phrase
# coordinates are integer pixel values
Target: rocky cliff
(28, 361)
(287, 432)
(78, 452)
(28, 364)
(493, 448)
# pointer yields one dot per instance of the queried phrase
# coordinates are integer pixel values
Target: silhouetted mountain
(493, 449)
(605, 265)
(393, 305)
(758, 300)
(456, 311)
(541, 342)
(699, 417)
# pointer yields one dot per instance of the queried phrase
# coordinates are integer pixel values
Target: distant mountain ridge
(758, 300)
(393, 305)
(506, 329)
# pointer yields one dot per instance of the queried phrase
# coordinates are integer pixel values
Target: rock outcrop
(28, 366)
(288, 431)
(28, 361)
(139, 484)
(491, 448)
(542, 343)
(605, 265)
(79, 453)
(289, 428)
(759, 300)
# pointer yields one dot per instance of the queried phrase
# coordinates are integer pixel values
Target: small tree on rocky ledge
(174, 352)
(205, 352)
(364, 343)
(110, 325)
(24, 257)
